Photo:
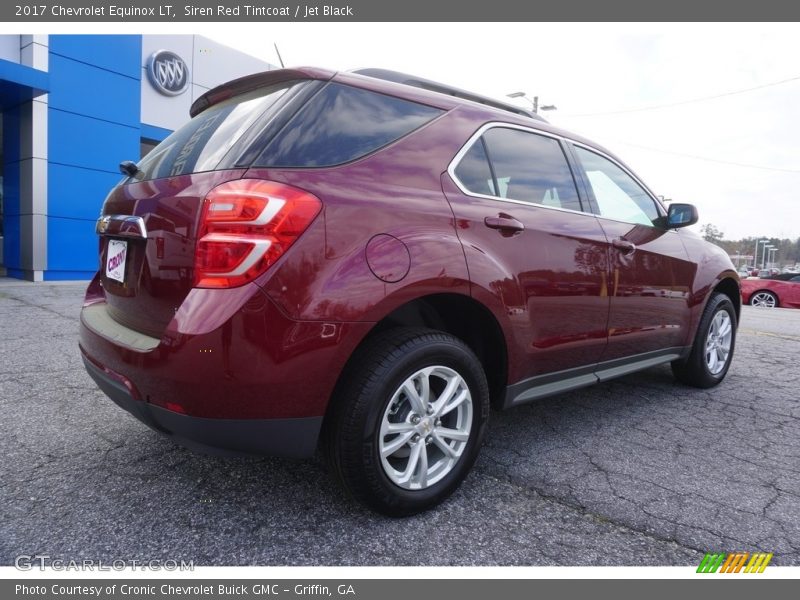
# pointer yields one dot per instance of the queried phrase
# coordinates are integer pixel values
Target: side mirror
(681, 215)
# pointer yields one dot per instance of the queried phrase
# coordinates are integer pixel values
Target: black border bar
(197, 11)
(708, 585)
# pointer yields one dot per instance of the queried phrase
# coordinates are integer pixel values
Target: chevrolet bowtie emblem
(102, 224)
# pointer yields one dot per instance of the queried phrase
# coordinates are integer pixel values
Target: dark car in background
(370, 261)
(772, 291)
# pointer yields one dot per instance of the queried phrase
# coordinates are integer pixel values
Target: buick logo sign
(167, 73)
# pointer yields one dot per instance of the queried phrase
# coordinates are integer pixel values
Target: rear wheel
(764, 299)
(712, 351)
(409, 420)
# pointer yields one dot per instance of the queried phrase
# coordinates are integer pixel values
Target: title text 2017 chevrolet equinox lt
(370, 261)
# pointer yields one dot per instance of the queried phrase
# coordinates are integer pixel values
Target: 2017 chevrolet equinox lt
(370, 260)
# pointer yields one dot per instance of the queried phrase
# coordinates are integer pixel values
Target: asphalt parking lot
(639, 471)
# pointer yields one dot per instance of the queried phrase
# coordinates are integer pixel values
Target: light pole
(764, 255)
(755, 255)
(534, 102)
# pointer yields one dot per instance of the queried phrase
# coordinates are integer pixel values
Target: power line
(683, 102)
(706, 158)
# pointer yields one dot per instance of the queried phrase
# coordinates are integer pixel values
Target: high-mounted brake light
(245, 226)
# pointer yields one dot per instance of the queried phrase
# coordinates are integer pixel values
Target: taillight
(245, 226)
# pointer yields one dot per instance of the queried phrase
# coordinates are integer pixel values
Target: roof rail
(442, 88)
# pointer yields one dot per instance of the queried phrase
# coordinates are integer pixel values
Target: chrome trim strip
(601, 217)
(532, 204)
(105, 222)
(451, 168)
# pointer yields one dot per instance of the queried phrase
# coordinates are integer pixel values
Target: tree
(711, 233)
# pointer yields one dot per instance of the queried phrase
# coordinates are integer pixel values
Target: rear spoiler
(253, 82)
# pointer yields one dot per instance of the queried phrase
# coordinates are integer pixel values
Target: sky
(734, 155)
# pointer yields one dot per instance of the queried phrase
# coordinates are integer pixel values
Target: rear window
(341, 124)
(203, 142)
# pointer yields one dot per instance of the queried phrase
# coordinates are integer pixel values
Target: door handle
(624, 246)
(504, 223)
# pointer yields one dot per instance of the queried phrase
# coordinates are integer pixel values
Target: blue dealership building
(73, 108)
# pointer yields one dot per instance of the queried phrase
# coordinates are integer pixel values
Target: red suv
(372, 260)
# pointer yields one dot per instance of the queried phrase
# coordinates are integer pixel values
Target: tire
(764, 299)
(708, 361)
(374, 465)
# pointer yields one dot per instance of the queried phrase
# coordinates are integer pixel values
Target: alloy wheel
(425, 427)
(763, 300)
(718, 342)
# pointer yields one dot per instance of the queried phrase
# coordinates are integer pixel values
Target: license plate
(115, 263)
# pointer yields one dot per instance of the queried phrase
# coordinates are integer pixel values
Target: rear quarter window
(341, 124)
(474, 171)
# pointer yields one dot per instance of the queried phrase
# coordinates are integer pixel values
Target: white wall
(210, 64)
(9, 48)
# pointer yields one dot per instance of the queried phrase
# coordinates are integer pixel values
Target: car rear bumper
(295, 438)
(230, 373)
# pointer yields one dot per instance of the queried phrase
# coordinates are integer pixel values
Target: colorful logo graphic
(735, 562)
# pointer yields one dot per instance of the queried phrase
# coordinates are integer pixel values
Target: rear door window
(521, 166)
(341, 124)
(531, 168)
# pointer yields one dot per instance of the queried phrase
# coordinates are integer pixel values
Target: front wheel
(409, 420)
(764, 299)
(712, 350)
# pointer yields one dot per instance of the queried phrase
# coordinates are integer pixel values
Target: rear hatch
(149, 222)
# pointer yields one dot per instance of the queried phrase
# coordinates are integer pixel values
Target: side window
(618, 196)
(531, 168)
(474, 172)
(343, 123)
